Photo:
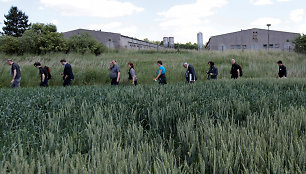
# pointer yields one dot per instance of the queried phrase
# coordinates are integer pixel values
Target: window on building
(255, 34)
(235, 47)
(277, 46)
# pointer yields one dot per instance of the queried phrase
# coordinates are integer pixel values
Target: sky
(155, 19)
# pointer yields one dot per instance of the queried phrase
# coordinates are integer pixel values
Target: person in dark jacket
(16, 74)
(68, 74)
(114, 69)
(282, 71)
(212, 72)
(190, 73)
(236, 70)
(43, 74)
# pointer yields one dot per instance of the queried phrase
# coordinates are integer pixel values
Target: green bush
(48, 39)
(38, 39)
(85, 43)
(10, 45)
(29, 42)
(300, 44)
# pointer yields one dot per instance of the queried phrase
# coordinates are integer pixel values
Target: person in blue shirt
(161, 73)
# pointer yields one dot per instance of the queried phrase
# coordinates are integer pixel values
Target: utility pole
(269, 25)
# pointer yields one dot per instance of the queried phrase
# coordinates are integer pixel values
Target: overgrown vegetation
(300, 44)
(243, 126)
(41, 39)
(84, 43)
(92, 70)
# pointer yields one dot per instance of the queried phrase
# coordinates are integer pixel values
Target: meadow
(255, 124)
(92, 70)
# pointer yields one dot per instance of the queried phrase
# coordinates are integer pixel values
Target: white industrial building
(253, 39)
(118, 41)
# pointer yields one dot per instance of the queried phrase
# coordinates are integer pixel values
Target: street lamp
(269, 25)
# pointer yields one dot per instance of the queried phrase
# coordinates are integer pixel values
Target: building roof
(86, 30)
(253, 29)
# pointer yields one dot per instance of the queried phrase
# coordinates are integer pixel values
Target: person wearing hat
(282, 71)
(212, 72)
(190, 73)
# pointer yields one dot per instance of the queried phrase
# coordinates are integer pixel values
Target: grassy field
(255, 124)
(242, 126)
(92, 70)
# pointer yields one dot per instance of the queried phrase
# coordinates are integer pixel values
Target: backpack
(48, 72)
(240, 70)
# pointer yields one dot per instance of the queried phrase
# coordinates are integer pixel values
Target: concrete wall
(111, 40)
(116, 41)
(135, 44)
(253, 39)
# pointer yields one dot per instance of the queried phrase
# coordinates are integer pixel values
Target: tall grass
(243, 126)
(92, 70)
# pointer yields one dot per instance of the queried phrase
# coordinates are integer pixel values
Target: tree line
(188, 45)
(20, 37)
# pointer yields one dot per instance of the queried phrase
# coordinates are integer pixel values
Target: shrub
(85, 43)
(300, 44)
(9, 45)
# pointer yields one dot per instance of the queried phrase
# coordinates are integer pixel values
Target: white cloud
(184, 21)
(93, 8)
(297, 15)
(262, 22)
(266, 2)
(55, 22)
(116, 27)
(261, 2)
(6, 0)
(105, 27)
(302, 28)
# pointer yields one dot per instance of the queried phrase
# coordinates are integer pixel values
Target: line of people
(45, 75)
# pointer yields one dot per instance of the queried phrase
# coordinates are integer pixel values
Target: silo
(200, 40)
(166, 42)
(171, 42)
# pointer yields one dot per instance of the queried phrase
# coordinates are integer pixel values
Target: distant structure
(253, 39)
(200, 40)
(168, 42)
(116, 40)
(171, 42)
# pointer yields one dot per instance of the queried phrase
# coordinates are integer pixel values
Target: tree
(44, 38)
(16, 23)
(300, 44)
(188, 46)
